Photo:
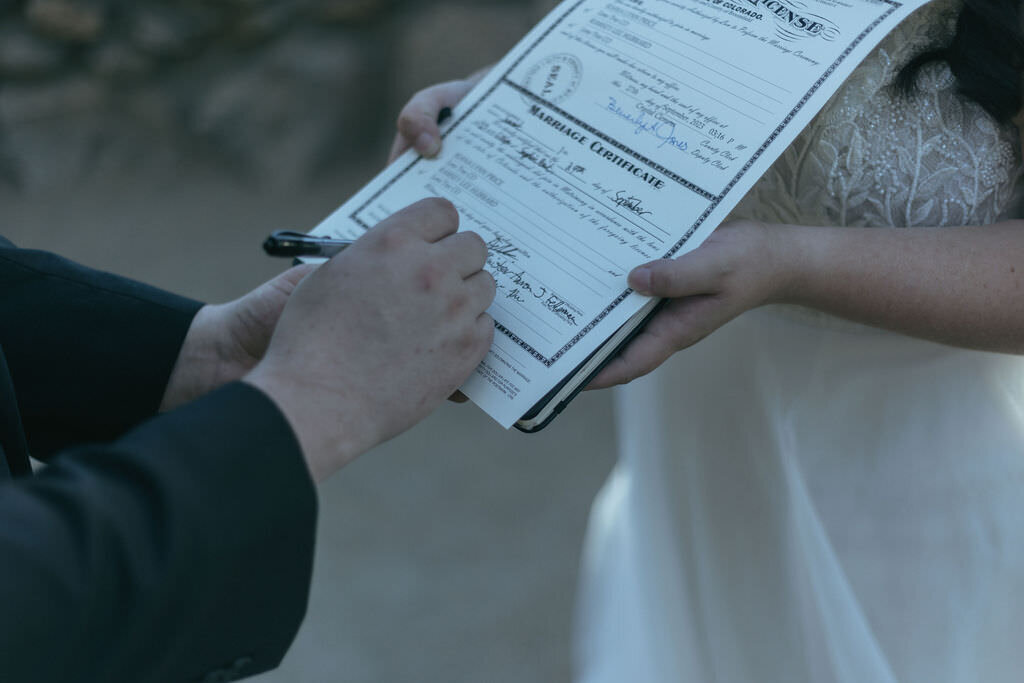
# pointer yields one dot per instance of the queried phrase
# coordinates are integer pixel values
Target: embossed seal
(555, 78)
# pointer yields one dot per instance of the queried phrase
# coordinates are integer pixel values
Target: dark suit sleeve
(181, 549)
(89, 353)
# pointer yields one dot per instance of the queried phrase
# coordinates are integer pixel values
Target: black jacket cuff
(89, 353)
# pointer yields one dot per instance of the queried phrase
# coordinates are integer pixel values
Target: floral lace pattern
(875, 158)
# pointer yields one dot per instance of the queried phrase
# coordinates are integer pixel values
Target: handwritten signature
(518, 277)
(502, 245)
(524, 287)
(558, 306)
(631, 203)
(662, 130)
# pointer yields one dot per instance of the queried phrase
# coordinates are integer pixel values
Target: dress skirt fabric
(802, 499)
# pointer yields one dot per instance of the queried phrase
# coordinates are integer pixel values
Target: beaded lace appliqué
(873, 157)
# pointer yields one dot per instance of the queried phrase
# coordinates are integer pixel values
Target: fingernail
(427, 145)
(640, 280)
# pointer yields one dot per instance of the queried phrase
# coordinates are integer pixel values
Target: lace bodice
(873, 157)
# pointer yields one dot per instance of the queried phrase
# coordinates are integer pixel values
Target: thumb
(418, 122)
(651, 279)
(692, 273)
(260, 308)
(291, 278)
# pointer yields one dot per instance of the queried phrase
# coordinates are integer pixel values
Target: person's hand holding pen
(296, 245)
(360, 348)
(378, 336)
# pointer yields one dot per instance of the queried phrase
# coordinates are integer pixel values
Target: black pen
(292, 244)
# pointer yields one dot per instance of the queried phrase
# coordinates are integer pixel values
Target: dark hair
(986, 56)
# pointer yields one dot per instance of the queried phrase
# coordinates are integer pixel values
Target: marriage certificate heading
(617, 132)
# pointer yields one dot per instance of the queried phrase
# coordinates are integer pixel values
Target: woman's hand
(957, 286)
(741, 266)
(418, 123)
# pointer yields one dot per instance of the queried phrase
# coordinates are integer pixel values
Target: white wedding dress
(801, 499)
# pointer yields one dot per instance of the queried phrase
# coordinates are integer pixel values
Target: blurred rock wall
(270, 91)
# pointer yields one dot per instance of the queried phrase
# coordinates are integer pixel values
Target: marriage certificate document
(615, 133)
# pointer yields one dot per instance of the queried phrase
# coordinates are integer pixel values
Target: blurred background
(164, 139)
